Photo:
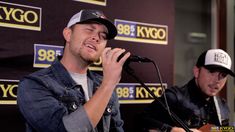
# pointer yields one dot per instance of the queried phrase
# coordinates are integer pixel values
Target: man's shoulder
(185, 88)
(179, 93)
(55, 67)
(45, 73)
(178, 89)
(40, 73)
(37, 76)
(221, 99)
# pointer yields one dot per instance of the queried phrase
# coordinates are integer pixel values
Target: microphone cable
(173, 116)
(163, 88)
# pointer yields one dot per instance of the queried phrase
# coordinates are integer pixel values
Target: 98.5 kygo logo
(8, 90)
(20, 16)
(141, 32)
(134, 93)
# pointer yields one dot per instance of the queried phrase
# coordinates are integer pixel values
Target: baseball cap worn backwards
(216, 59)
(93, 16)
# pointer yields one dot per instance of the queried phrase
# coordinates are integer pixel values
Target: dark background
(17, 53)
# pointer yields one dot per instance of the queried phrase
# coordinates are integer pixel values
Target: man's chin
(93, 60)
(212, 93)
(90, 58)
(96, 60)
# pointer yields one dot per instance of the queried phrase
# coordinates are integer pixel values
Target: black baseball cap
(93, 16)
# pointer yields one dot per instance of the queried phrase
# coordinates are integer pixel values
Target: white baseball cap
(216, 59)
(93, 16)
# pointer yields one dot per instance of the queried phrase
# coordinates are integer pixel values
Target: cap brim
(220, 69)
(112, 31)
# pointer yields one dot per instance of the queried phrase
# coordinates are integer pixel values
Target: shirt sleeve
(116, 121)
(44, 112)
(39, 107)
(77, 121)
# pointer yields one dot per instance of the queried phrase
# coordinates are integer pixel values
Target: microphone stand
(130, 71)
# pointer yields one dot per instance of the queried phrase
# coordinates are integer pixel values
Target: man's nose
(95, 37)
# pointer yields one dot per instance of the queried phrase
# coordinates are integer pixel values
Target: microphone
(134, 58)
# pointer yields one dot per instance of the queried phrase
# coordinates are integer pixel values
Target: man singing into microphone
(69, 97)
(196, 103)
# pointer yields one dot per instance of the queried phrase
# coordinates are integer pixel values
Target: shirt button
(204, 122)
(109, 110)
(75, 106)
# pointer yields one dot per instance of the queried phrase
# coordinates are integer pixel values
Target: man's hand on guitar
(206, 127)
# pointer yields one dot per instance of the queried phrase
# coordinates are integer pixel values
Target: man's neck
(202, 94)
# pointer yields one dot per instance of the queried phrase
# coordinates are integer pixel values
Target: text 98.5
(48, 55)
(125, 29)
(125, 92)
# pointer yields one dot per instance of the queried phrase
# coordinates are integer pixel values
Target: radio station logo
(134, 93)
(141, 32)
(20, 16)
(8, 91)
(44, 55)
(96, 2)
(222, 129)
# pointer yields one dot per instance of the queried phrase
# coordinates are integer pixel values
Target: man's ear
(196, 71)
(67, 34)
